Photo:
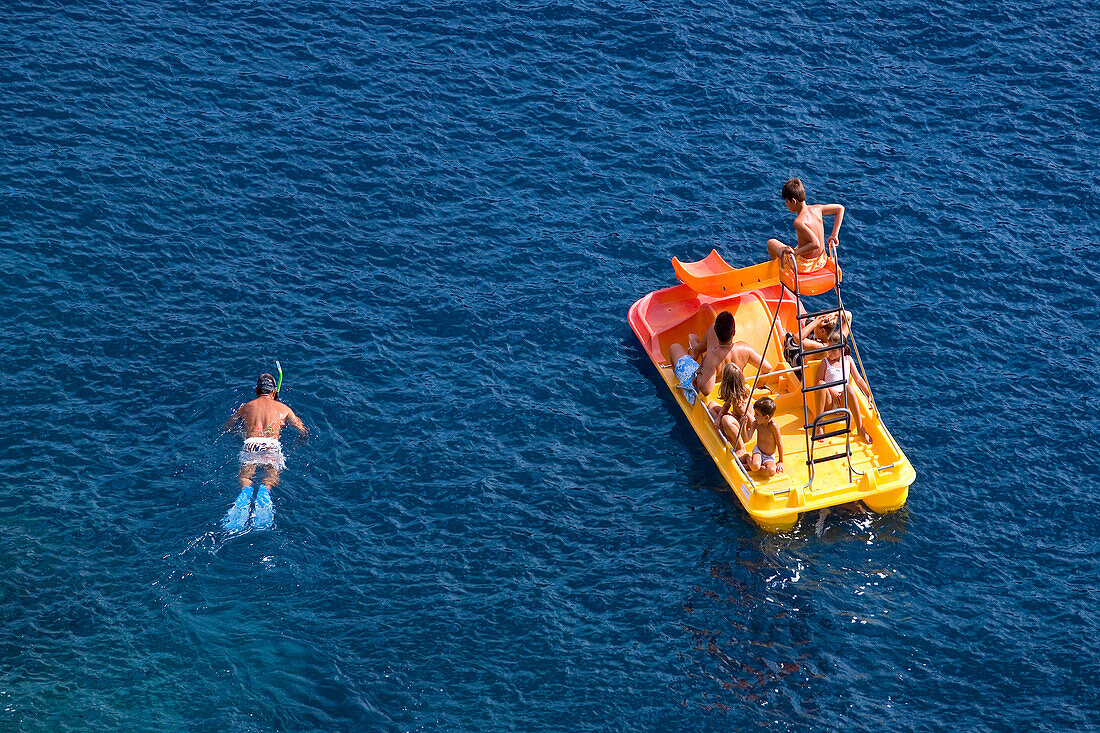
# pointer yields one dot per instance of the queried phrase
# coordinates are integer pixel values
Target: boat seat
(816, 282)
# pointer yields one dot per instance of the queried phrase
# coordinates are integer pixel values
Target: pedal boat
(878, 474)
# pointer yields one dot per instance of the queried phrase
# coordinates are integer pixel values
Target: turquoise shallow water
(436, 216)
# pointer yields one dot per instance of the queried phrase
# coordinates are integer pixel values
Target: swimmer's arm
(296, 422)
(743, 424)
(748, 422)
(808, 329)
(808, 343)
(695, 347)
(837, 212)
(709, 341)
(232, 421)
(760, 363)
(779, 447)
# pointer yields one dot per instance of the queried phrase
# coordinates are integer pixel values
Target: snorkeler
(263, 419)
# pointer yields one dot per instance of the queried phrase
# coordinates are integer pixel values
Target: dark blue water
(436, 216)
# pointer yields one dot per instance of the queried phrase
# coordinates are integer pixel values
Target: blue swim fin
(236, 519)
(265, 512)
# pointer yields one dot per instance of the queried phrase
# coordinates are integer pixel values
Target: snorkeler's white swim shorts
(263, 452)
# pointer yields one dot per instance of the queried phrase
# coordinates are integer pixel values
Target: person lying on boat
(698, 366)
(769, 443)
(734, 417)
(263, 419)
(809, 228)
(834, 366)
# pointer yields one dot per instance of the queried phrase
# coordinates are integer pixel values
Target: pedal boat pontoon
(825, 464)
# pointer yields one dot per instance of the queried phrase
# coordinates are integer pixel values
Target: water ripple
(436, 216)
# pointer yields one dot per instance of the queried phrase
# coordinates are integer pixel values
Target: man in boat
(697, 367)
(263, 419)
(809, 227)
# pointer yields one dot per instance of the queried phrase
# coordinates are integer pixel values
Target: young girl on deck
(734, 418)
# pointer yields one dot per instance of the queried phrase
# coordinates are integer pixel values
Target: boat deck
(668, 316)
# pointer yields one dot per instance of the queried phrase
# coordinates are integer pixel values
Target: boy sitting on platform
(809, 227)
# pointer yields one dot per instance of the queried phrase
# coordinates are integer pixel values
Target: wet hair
(265, 384)
(793, 189)
(724, 327)
(733, 384)
(765, 406)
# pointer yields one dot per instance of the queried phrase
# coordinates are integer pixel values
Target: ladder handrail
(810, 429)
(838, 414)
(859, 362)
(848, 329)
(801, 364)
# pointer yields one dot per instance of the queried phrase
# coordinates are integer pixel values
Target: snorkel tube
(279, 385)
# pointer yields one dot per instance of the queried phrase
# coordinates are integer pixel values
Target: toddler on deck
(768, 440)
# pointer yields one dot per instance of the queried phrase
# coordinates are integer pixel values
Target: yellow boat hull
(879, 475)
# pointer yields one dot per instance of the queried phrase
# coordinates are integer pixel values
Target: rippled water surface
(436, 216)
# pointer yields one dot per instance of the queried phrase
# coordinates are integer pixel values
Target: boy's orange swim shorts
(812, 264)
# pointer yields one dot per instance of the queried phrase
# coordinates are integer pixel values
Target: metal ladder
(838, 416)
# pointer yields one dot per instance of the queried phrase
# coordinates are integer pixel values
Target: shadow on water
(762, 622)
(759, 620)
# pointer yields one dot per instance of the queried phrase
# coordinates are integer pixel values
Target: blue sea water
(436, 215)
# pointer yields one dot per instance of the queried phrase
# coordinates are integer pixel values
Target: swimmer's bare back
(264, 417)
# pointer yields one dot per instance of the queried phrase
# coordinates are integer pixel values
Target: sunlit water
(436, 216)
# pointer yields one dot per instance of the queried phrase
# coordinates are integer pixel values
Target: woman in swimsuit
(834, 366)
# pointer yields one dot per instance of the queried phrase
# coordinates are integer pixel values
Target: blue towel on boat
(685, 369)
